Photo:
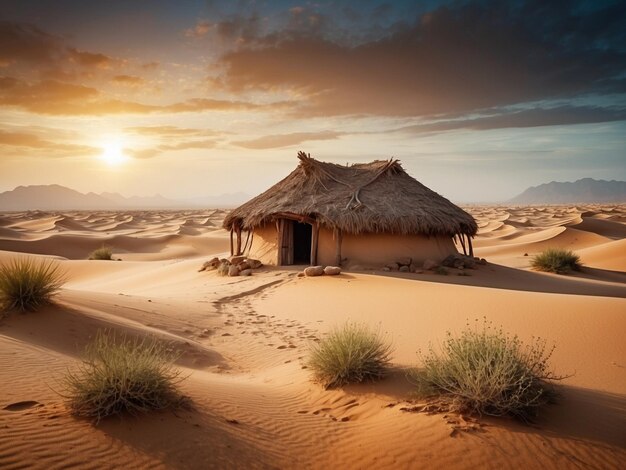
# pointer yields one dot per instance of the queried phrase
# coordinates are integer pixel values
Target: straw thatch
(376, 197)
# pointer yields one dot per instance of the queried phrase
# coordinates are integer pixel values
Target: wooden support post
(231, 241)
(338, 239)
(462, 237)
(280, 226)
(471, 248)
(315, 229)
(238, 230)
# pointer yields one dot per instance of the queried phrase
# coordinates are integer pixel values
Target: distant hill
(56, 197)
(581, 191)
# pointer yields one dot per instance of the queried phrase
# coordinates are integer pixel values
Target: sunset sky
(479, 100)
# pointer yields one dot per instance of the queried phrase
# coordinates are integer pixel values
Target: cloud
(128, 80)
(25, 143)
(90, 59)
(152, 152)
(53, 97)
(27, 43)
(537, 117)
(286, 140)
(455, 59)
(169, 131)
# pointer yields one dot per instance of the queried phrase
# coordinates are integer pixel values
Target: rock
(419, 271)
(392, 266)
(243, 266)
(459, 261)
(332, 270)
(233, 271)
(211, 264)
(236, 259)
(449, 260)
(223, 268)
(429, 264)
(254, 263)
(314, 271)
(525, 254)
(386, 269)
(300, 274)
(404, 261)
(245, 272)
(404, 269)
(482, 261)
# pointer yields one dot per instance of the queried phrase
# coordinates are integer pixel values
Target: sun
(113, 153)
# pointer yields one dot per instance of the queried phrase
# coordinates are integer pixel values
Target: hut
(367, 214)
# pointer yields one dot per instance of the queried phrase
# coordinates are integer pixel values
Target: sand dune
(244, 341)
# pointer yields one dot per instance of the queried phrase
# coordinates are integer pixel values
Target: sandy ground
(244, 341)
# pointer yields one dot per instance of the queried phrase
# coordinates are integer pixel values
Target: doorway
(295, 246)
(302, 235)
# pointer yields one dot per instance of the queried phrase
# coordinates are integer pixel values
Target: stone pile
(456, 260)
(233, 266)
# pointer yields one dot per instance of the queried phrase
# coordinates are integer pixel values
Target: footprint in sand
(22, 405)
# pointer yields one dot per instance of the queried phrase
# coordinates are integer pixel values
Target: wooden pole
(471, 249)
(280, 224)
(338, 237)
(238, 230)
(462, 238)
(315, 228)
(231, 241)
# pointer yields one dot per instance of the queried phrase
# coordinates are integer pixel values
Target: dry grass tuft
(27, 284)
(556, 260)
(489, 372)
(123, 375)
(103, 253)
(351, 353)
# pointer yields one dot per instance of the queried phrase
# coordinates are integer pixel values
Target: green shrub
(556, 260)
(103, 253)
(351, 353)
(123, 376)
(27, 284)
(489, 372)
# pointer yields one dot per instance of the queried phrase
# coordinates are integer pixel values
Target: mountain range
(586, 190)
(56, 197)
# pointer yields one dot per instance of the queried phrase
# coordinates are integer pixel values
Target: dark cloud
(286, 140)
(536, 117)
(461, 58)
(90, 59)
(27, 43)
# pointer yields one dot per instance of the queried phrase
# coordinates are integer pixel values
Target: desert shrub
(351, 353)
(27, 284)
(102, 253)
(556, 260)
(123, 375)
(486, 371)
(441, 271)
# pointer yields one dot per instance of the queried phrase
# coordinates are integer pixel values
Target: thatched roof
(376, 197)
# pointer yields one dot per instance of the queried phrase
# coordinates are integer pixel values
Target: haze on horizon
(478, 99)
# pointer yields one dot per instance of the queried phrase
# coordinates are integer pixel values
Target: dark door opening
(302, 234)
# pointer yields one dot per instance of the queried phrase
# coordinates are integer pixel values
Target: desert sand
(245, 339)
